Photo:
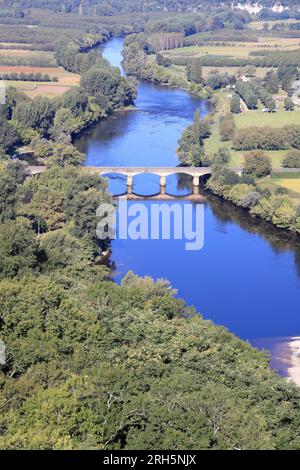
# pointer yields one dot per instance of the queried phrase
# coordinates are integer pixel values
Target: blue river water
(247, 276)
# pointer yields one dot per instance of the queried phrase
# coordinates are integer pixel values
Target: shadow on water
(279, 240)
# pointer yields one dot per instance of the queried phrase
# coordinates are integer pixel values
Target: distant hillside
(110, 7)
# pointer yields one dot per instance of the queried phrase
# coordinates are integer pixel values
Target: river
(247, 276)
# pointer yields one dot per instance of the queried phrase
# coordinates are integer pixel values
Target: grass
(260, 24)
(259, 71)
(237, 157)
(251, 118)
(178, 70)
(288, 181)
(11, 53)
(238, 50)
(15, 45)
(276, 156)
(279, 43)
(259, 119)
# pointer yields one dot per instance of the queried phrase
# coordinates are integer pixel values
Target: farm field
(260, 119)
(248, 119)
(213, 143)
(66, 80)
(293, 184)
(25, 53)
(259, 25)
(259, 71)
(289, 181)
(180, 70)
(276, 156)
(15, 45)
(279, 43)
(238, 50)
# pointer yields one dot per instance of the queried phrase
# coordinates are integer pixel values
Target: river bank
(285, 355)
(294, 363)
(275, 207)
(139, 64)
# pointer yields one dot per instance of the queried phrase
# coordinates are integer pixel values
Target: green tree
(37, 114)
(251, 100)
(95, 365)
(18, 248)
(194, 71)
(62, 249)
(108, 88)
(271, 82)
(8, 195)
(271, 105)
(257, 163)
(190, 150)
(17, 169)
(64, 155)
(292, 159)
(12, 98)
(235, 104)
(289, 104)
(227, 127)
(9, 137)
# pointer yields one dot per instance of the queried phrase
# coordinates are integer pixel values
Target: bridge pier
(162, 180)
(129, 184)
(162, 184)
(196, 183)
(196, 180)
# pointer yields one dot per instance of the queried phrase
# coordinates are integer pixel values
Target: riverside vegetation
(247, 191)
(90, 364)
(101, 90)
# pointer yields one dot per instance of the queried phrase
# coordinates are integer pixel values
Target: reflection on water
(244, 278)
(247, 277)
(148, 184)
(147, 136)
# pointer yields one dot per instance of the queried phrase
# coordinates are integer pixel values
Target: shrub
(250, 199)
(227, 127)
(257, 164)
(292, 159)
(292, 135)
(278, 209)
(235, 104)
(238, 192)
(289, 104)
(267, 138)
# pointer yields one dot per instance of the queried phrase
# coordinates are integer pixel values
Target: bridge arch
(162, 172)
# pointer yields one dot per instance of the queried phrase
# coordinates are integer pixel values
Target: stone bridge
(130, 172)
(163, 172)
